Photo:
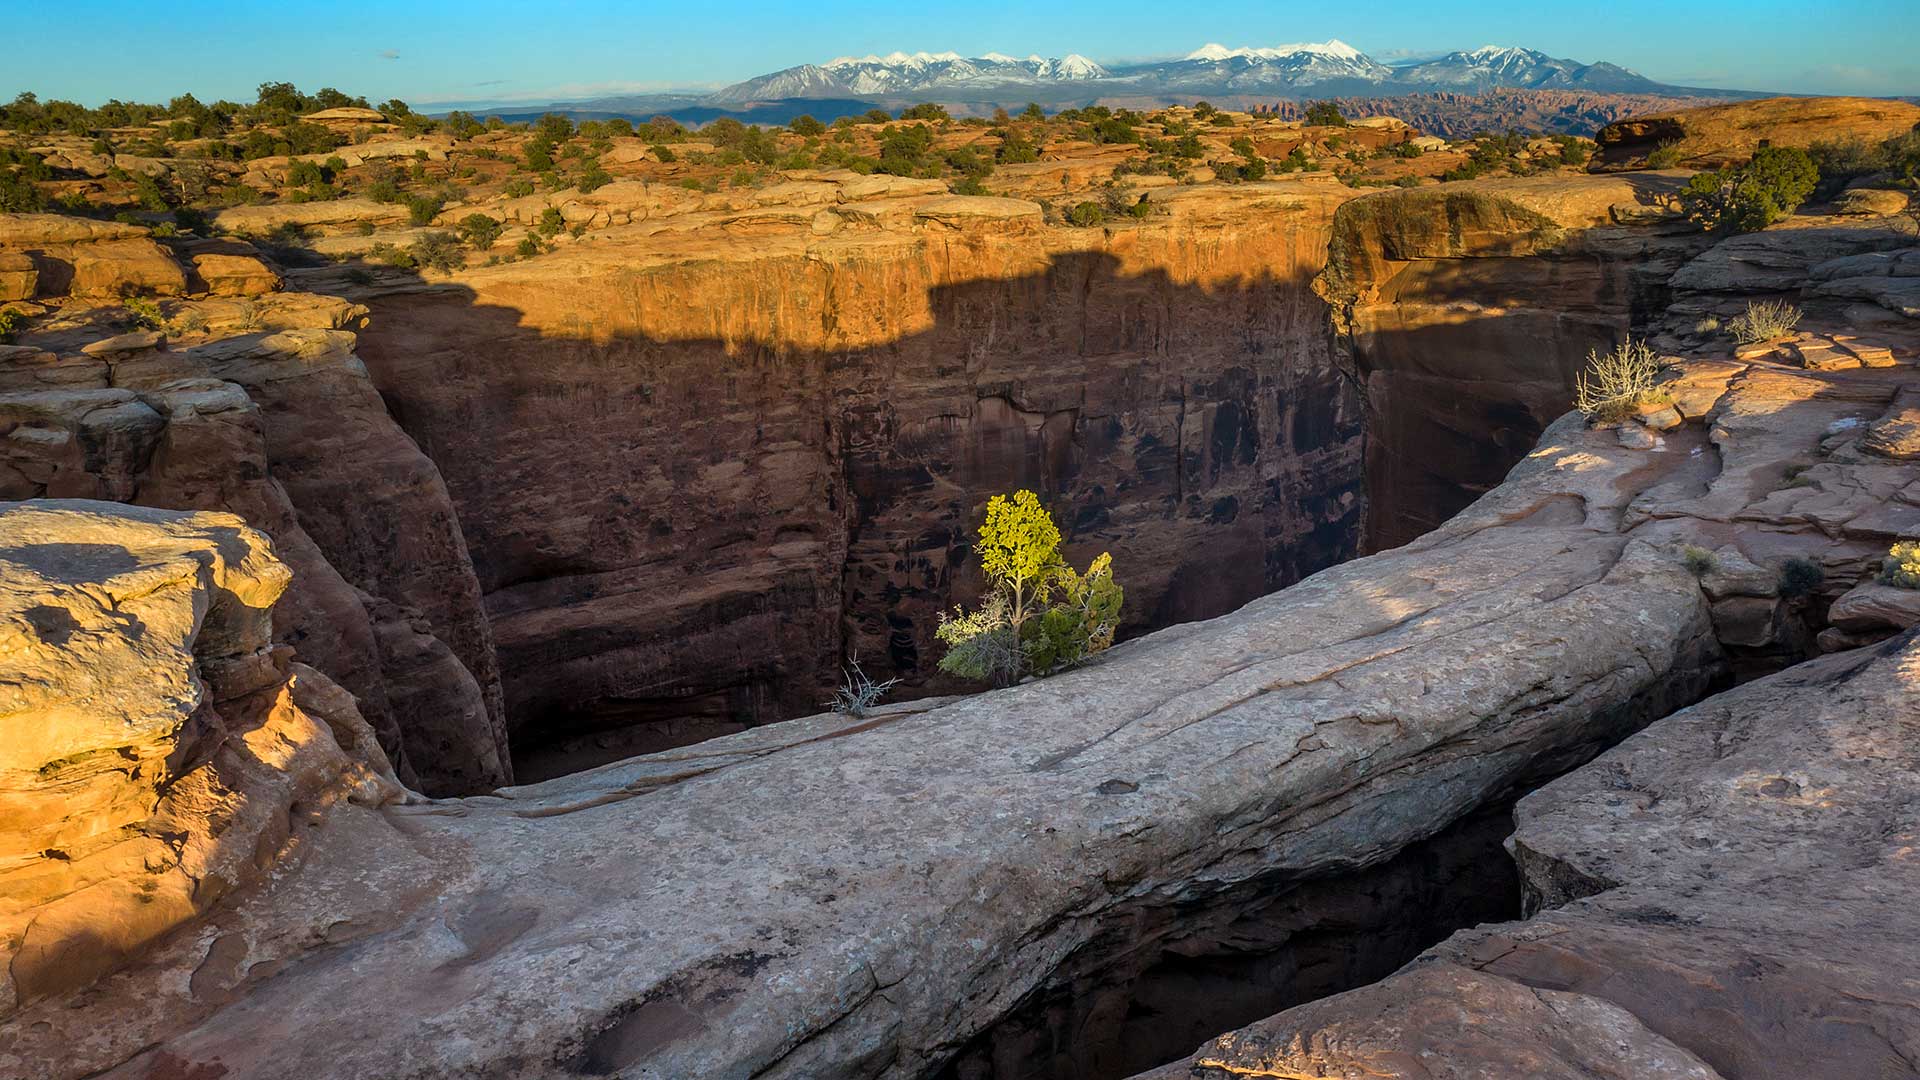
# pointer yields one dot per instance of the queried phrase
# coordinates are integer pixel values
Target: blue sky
(492, 50)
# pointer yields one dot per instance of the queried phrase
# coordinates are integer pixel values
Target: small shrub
(1746, 198)
(551, 221)
(518, 188)
(857, 692)
(145, 313)
(527, 248)
(593, 179)
(1086, 215)
(1325, 114)
(1664, 156)
(439, 251)
(9, 325)
(1708, 324)
(1764, 321)
(422, 209)
(1901, 567)
(1615, 383)
(480, 230)
(1699, 561)
(1798, 577)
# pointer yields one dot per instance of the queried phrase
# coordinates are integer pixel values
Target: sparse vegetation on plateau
(1618, 381)
(1746, 198)
(1698, 560)
(1764, 320)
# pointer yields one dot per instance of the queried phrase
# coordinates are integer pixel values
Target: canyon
(575, 546)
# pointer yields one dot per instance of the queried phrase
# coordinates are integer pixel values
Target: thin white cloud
(388, 54)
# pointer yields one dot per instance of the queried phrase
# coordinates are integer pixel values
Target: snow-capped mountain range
(1324, 68)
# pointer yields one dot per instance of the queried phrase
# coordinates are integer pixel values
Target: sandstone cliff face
(1468, 308)
(284, 429)
(702, 459)
(159, 751)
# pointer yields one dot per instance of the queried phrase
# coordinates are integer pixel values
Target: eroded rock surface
(1728, 893)
(861, 900)
(156, 753)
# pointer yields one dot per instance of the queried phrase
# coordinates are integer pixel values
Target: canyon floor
(319, 538)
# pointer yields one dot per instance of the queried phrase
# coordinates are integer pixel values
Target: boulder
(18, 276)
(235, 275)
(153, 748)
(1873, 607)
(1870, 202)
(124, 268)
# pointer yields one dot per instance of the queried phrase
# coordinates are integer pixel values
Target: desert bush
(438, 251)
(1039, 615)
(1798, 577)
(1764, 320)
(551, 221)
(806, 126)
(1325, 114)
(480, 230)
(1707, 324)
(926, 110)
(144, 313)
(422, 209)
(1901, 567)
(1745, 198)
(1616, 381)
(857, 693)
(9, 325)
(593, 179)
(1016, 149)
(1664, 156)
(1086, 215)
(18, 195)
(518, 188)
(1699, 561)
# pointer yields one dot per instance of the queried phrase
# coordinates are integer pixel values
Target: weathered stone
(18, 276)
(235, 275)
(126, 267)
(1675, 872)
(152, 750)
(1873, 606)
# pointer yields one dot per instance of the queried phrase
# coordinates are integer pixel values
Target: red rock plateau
(304, 528)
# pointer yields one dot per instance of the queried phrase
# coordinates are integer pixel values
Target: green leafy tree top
(1019, 543)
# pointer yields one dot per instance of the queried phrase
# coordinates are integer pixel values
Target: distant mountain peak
(1335, 48)
(1318, 68)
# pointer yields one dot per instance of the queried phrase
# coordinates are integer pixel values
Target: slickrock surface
(858, 905)
(157, 752)
(1729, 893)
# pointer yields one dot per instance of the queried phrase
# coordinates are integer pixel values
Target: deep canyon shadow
(679, 535)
